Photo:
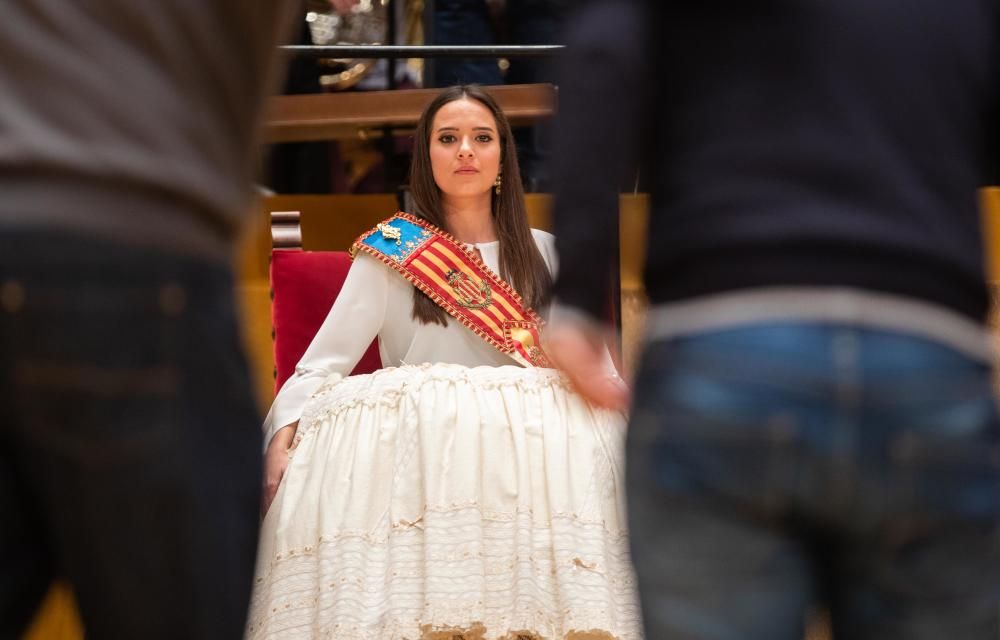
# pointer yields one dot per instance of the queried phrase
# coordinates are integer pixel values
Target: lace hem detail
(473, 579)
(382, 536)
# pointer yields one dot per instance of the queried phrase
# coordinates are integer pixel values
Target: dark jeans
(129, 442)
(773, 467)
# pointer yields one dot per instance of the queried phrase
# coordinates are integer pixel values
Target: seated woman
(463, 492)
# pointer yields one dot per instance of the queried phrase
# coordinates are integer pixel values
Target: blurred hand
(579, 353)
(275, 463)
(343, 7)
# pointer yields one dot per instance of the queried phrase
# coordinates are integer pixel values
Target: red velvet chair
(304, 285)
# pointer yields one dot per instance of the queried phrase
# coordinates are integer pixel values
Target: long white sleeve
(546, 243)
(353, 322)
(376, 300)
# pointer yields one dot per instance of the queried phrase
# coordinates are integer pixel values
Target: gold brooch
(390, 232)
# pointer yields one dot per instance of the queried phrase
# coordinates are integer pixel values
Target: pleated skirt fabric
(447, 502)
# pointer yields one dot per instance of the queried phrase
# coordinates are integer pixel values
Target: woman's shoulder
(543, 238)
(368, 268)
(383, 229)
(546, 243)
(390, 241)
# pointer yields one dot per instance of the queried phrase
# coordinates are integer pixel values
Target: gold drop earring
(496, 185)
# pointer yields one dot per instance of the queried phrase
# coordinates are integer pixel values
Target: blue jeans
(775, 467)
(129, 442)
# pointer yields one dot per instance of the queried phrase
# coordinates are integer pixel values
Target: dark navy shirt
(799, 143)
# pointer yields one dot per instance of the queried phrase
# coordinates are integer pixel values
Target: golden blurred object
(367, 23)
(57, 618)
(990, 202)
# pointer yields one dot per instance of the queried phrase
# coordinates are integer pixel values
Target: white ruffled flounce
(442, 501)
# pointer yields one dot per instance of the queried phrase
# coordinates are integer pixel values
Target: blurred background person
(513, 22)
(813, 418)
(349, 165)
(129, 453)
(300, 167)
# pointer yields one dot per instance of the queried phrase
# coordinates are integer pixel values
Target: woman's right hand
(275, 463)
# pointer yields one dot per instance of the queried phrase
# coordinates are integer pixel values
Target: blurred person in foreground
(813, 420)
(129, 456)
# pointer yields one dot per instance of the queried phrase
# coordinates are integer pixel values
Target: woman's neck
(469, 221)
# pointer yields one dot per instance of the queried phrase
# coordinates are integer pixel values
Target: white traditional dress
(452, 494)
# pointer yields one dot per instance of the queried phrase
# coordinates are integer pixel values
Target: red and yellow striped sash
(457, 280)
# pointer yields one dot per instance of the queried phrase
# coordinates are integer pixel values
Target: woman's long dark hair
(521, 264)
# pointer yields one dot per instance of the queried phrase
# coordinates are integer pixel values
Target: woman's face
(464, 149)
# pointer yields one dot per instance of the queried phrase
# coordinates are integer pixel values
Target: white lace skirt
(445, 502)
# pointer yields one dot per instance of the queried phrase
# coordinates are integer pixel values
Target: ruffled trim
(389, 386)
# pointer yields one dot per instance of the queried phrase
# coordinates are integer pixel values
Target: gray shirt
(134, 119)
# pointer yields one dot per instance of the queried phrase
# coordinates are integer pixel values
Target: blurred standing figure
(300, 167)
(813, 419)
(129, 456)
(514, 22)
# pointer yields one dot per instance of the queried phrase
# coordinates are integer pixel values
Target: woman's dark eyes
(448, 139)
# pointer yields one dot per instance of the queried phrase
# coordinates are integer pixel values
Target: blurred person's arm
(598, 129)
(579, 345)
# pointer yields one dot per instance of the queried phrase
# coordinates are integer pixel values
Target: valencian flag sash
(457, 280)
